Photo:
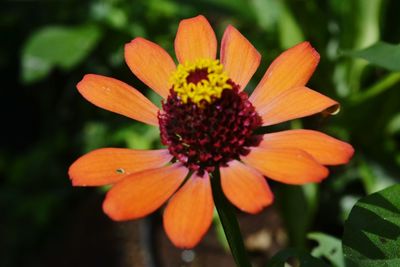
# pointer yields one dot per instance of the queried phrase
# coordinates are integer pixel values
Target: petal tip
(185, 244)
(245, 187)
(188, 215)
(261, 207)
(349, 151)
(136, 40)
(194, 20)
(73, 174)
(198, 17)
(322, 175)
(75, 182)
(112, 211)
(239, 56)
(84, 84)
(306, 45)
(314, 52)
(195, 38)
(229, 28)
(128, 47)
(85, 79)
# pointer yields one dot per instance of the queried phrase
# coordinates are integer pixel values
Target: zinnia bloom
(207, 123)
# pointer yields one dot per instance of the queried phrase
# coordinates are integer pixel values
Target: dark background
(47, 46)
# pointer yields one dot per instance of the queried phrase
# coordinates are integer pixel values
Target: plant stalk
(229, 222)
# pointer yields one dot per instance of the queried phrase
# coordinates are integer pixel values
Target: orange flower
(207, 123)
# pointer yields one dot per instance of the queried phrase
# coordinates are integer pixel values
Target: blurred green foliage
(56, 47)
(47, 47)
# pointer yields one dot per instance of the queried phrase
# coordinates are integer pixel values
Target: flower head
(207, 123)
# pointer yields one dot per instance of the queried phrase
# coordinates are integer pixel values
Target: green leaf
(379, 87)
(299, 259)
(393, 126)
(95, 135)
(229, 222)
(289, 31)
(136, 136)
(56, 46)
(297, 206)
(357, 30)
(266, 13)
(381, 54)
(373, 176)
(328, 247)
(372, 232)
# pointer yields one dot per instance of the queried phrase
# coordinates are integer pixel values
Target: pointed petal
(286, 165)
(323, 148)
(189, 213)
(239, 57)
(195, 39)
(151, 64)
(141, 193)
(118, 97)
(296, 103)
(293, 68)
(246, 188)
(109, 165)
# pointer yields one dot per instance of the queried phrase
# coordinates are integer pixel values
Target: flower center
(206, 121)
(200, 82)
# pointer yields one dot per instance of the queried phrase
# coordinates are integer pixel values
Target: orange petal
(118, 97)
(109, 165)
(189, 213)
(246, 188)
(141, 193)
(296, 103)
(151, 64)
(325, 149)
(286, 165)
(239, 57)
(195, 39)
(293, 68)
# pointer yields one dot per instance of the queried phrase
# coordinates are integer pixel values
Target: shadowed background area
(47, 47)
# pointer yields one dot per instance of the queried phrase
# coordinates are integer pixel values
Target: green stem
(229, 223)
(382, 85)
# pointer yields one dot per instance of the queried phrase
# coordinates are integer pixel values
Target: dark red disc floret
(204, 138)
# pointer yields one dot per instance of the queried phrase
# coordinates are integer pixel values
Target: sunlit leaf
(357, 30)
(381, 54)
(374, 177)
(95, 135)
(372, 232)
(266, 12)
(110, 14)
(346, 203)
(393, 126)
(290, 32)
(137, 136)
(56, 46)
(291, 257)
(328, 247)
(379, 87)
